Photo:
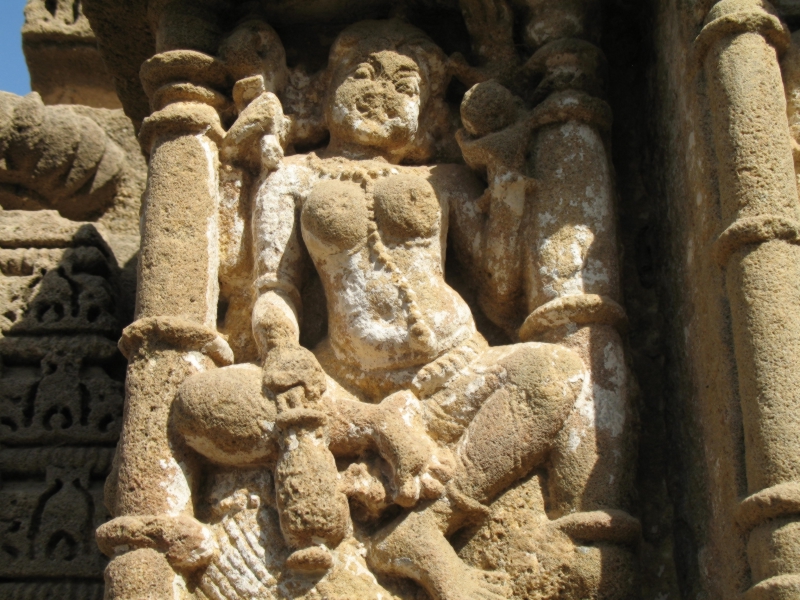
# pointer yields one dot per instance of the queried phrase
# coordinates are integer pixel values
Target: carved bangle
(583, 309)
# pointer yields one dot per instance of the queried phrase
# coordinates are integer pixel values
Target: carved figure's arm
(254, 142)
(486, 229)
(279, 263)
(280, 260)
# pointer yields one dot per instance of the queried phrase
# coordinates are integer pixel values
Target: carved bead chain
(422, 336)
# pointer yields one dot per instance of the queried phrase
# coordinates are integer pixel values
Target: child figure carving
(403, 375)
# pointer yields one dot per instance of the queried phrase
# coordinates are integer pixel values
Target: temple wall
(699, 498)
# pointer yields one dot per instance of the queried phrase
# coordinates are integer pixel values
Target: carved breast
(406, 207)
(336, 213)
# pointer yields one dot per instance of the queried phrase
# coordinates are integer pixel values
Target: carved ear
(433, 63)
(435, 134)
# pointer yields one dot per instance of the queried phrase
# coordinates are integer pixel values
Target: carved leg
(414, 546)
(515, 428)
(224, 416)
(509, 435)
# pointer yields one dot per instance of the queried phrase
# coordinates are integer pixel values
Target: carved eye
(363, 72)
(407, 86)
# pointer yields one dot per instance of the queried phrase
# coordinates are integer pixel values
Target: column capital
(731, 17)
(570, 63)
(184, 88)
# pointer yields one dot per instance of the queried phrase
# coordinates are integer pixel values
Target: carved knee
(551, 377)
(223, 415)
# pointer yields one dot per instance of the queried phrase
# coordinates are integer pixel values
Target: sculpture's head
(388, 81)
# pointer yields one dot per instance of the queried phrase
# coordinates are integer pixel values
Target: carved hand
(420, 467)
(257, 136)
(295, 376)
(491, 26)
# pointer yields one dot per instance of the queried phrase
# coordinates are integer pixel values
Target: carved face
(376, 102)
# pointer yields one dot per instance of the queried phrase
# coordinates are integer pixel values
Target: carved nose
(372, 103)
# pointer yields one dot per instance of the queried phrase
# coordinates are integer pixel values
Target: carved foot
(474, 584)
(415, 547)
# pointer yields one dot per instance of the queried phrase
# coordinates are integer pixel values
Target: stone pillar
(758, 199)
(572, 287)
(572, 277)
(174, 334)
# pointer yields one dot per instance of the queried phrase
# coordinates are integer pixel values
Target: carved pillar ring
(739, 47)
(721, 24)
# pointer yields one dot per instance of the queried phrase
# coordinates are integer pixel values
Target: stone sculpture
(71, 179)
(377, 348)
(345, 467)
(400, 338)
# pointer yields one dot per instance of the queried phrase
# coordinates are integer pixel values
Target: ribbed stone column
(174, 335)
(758, 250)
(572, 281)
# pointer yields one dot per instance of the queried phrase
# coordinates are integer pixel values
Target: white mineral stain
(176, 485)
(196, 359)
(212, 230)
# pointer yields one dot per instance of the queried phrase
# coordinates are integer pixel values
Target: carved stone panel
(71, 178)
(400, 451)
(61, 400)
(417, 280)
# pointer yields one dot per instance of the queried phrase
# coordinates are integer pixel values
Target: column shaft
(758, 201)
(180, 238)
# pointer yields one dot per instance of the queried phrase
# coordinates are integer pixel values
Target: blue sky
(13, 72)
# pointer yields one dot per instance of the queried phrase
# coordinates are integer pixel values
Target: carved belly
(357, 239)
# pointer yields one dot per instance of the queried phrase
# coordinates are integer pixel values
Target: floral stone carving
(395, 453)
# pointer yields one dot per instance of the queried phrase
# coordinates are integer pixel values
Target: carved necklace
(421, 337)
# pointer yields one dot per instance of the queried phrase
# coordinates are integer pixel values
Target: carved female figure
(371, 449)
(403, 371)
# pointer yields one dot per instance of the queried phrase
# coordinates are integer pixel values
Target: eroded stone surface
(378, 348)
(345, 466)
(72, 176)
(61, 51)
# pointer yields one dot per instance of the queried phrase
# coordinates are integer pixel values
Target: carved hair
(358, 41)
